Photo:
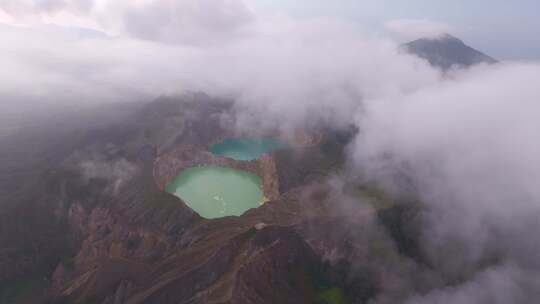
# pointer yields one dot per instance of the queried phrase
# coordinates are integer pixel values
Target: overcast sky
(501, 28)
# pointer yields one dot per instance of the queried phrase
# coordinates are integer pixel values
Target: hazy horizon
(506, 30)
(502, 29)
(414, 173)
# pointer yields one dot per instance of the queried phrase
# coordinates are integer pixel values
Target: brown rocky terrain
(171, 164)
(122, 239)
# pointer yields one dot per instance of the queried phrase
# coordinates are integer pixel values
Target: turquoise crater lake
(215, 192)
(247, 148)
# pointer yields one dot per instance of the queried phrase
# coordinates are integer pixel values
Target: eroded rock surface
(168, 166)
(139, 244)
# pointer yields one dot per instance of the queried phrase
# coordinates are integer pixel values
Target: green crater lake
(247, 148)
(215, 192)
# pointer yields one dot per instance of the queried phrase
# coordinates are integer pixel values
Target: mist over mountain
(401, 176)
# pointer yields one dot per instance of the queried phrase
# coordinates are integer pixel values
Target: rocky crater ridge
(168, 166)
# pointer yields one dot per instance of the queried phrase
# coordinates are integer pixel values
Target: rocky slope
(125, 240)
(447, 51)
(168, 166)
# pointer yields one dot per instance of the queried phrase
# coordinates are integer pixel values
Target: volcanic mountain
(447, 51)
(90, 222)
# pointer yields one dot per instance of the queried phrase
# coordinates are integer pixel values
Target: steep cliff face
(278, 267)
(168, 166)
(292, 250)
(215, 261)
(138, 225)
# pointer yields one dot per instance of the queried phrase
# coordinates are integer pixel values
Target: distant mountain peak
(446, 51)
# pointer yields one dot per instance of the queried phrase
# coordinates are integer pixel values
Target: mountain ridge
(447, 51)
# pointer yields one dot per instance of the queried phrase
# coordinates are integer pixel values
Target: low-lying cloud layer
(466, 142)
(184, 21)
(468, 146)
(288, 69)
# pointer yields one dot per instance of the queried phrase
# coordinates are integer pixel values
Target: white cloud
(289, 70)
(172, 21)
(467, 145)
